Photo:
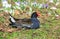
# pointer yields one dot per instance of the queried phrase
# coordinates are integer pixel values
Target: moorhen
(32, 23)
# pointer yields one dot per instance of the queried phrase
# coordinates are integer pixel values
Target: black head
(34, 15)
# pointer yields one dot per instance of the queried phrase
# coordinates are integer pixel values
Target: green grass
(46, 31)
(2, 19)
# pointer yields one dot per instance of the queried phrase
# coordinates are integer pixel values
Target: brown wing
(24, 21)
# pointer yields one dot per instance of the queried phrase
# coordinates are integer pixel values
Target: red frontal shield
(38, 13)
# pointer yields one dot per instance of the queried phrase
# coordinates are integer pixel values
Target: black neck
(34, 15)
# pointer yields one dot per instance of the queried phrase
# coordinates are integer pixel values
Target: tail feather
(11, 19)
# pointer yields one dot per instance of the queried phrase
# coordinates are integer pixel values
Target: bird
(31, 23)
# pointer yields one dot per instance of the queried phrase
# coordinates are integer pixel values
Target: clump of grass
(1, 38)
(1, 33)
(2, 19)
